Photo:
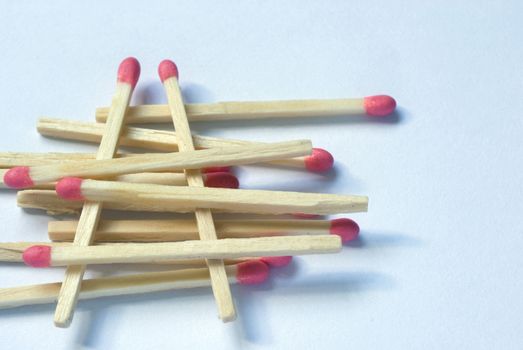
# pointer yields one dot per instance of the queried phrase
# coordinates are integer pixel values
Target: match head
(167, 69)
(277, 261)
(129, 71)
(70, 188)
(37, 256)
(252, 272)
(319, 161)
(221, 180)
(216, 169)
(379, 105)
(18, 177)
(347, 229)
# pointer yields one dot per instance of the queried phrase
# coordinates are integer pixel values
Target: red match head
(167, 69)
(18, 177)
(252, 272)
(70, 188)
(319, 161)
(277, 261)
(347, 229)
(379, 105)
(37, 256)
(221, 180)
(129, 71)
(217, 169)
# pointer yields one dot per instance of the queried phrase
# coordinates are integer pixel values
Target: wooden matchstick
(375, 106)
(44, 255)
(215, 179)
(160, 140)
(181, 230)
(128, 74)
(186, 199)
(24, 177)
(168, 73)
(245, 273)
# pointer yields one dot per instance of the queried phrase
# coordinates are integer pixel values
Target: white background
(439, 264)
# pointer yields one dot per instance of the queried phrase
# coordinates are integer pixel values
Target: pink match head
(37, 256)
(70, 188)
(129, 71)
(18, 177)
(167, 69)
(347, 229)
(217, 169)
(252, 272)
(277, 261)
(319, 161)
(379, 105)
(221, 180)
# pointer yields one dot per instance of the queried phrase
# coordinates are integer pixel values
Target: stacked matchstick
(182, 173)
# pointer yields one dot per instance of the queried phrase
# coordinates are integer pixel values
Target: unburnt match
(168, 73)
(374, 106)
(244, 273)
(160, 140)
(25, 177)
(44, 255)
(181, 230)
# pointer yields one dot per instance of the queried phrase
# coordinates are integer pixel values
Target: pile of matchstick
(182, 173)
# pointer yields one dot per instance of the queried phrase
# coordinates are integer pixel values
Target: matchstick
(374, 106)
(181, 230)
(24, 177)
(213, 179)
(128, 74)
(186, 199)
(13, 159)
(166, 141)
(168, 73)
(45, 256)
(245, 273)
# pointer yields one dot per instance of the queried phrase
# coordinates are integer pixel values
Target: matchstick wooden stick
(375, 106)
(184, 199)
(181, 230)
(217, 179)
(245, 273)
(44, 255)
(168, 73)
(160, 140)
(24, 177)
(128, 74)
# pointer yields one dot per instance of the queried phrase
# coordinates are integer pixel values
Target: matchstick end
(277, 261)
(70, 188)
(379, 105)
(221, 180)
(37, 256)
(129, 71)
(216, 169)
(252, 272)
(319, 161)
(347, 229)
(167, 69)
(18, 178)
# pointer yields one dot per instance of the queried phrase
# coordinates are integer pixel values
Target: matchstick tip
(347, 229)
(277, 261)
(221, 180)
(129, 71)
(252, 272)
(379, 105)
(70, 188)
(216, 169)
(37, 256)
(319, 161)
(18, 178)
(167, 69)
